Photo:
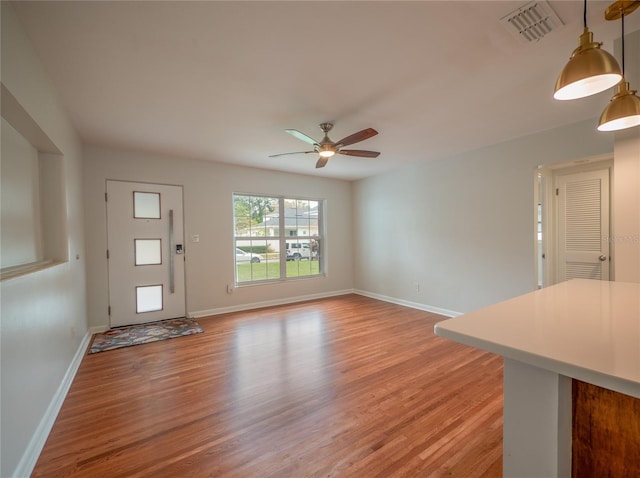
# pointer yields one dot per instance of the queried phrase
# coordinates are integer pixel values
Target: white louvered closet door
(583, 226)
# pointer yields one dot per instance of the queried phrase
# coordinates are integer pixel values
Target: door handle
(172, 287)
(602, 258)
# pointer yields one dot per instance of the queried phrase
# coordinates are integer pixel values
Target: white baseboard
(291, 300)
(36, 444)
(267, 303)
(407, 303)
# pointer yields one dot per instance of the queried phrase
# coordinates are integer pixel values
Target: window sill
(24, 269)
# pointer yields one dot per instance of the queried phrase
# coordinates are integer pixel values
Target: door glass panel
(146, 205)
(148, 298)
(148, 251)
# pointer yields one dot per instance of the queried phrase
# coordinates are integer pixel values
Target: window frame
(282, 238)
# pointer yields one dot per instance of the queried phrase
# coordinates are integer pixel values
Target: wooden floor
(340, 387)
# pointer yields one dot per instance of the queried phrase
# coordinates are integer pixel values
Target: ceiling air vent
(532, 21)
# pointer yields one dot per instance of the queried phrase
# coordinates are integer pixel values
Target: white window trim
(282, 239)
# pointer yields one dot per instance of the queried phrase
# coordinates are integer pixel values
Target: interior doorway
(572, 221)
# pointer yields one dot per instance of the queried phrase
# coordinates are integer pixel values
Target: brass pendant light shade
(592, 70)
(623, 110)
(589, 71)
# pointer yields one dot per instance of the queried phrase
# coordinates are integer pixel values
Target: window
(146, 205)
(277, 238)
(148, 298)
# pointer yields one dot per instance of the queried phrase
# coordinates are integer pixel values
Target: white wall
(626, 178)
(626, 204)
(43, 313)
(462, 227)
(208, 189)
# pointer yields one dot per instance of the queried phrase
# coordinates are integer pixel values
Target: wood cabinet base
(606, 433)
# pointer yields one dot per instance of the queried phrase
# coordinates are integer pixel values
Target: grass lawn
(271, 270)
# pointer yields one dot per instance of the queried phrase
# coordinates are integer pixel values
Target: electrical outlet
(416, 286)
(230, 288)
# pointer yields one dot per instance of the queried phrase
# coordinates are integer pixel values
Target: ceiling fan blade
(286, 154)
(322, 162)
(357, 137)
(359, 152)
(302, 136)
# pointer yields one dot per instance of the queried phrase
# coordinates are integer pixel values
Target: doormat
(143, 334)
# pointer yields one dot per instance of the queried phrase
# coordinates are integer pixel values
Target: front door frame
(178, 305)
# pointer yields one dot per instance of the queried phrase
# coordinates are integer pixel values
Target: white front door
(145, 254)
(583, 225)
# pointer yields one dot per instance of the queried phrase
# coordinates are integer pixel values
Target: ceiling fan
(327, 148)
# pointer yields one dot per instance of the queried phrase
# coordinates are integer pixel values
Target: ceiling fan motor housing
(326, 127)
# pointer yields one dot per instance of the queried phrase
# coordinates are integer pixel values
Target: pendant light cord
(622, 18)
(584, 14)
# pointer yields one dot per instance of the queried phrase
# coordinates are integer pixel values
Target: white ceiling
(221, 81)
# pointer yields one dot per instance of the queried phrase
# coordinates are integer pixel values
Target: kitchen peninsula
(581, 329)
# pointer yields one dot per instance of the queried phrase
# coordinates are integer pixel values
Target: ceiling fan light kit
(326, 152)
(327, 148)
(592, 70)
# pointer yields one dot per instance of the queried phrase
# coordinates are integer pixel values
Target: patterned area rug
(143, 334)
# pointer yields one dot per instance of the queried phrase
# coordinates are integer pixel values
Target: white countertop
(584, 329)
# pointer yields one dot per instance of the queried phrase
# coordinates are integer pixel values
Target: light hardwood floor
(339, 387)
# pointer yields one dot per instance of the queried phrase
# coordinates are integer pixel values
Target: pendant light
(590, 70)
(623, 111)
